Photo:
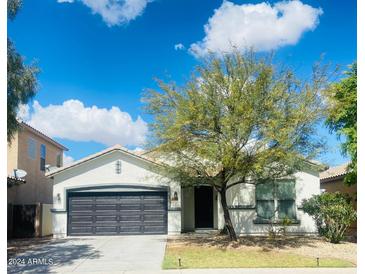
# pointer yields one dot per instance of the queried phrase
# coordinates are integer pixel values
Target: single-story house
(117, 191)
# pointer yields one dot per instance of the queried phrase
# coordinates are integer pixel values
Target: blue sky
(104, 60)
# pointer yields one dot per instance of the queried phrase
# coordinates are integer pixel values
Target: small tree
(333, 214)
(342, 117)
(22, 82)
(238, 120)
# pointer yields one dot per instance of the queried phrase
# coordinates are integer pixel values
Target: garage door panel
(106, 200)
(130, 199)
(117, 213)
(109, 223)
(131, 229)
(106, 229)
(153, 207)
(134, 217)
(82, 207)
(154, 229)
(155, 217)
(131, 223)
(82, 230)
(106, 218)
(106, 207)
(131, 207)
(81, 200)
(81, 218)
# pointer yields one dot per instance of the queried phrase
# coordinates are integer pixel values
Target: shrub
(333, 214)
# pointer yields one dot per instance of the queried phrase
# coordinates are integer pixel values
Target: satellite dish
(19, 173)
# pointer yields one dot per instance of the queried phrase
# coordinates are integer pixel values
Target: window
(265, 202)
(32, 145)
(276, 200)
(59, 160)
(43, 157)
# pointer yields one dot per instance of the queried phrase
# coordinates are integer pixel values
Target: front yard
(215, 251)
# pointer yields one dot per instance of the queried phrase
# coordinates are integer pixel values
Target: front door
(203, 207)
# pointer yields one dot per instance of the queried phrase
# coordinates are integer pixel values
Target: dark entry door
(203, 207)
(117, 213)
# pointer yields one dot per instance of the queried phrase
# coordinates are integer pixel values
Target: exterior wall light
(175, 197)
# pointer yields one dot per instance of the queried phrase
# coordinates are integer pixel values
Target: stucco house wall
(99, 174)
(37, 188)
(241, 199)
(242, 202)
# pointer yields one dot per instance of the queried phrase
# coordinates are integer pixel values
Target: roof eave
(50, 174)
(49, 139)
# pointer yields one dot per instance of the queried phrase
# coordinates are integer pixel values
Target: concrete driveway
(93, 254)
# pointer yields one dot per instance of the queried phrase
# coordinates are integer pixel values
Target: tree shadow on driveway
(49, 257)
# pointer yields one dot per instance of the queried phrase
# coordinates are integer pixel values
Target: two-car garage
(122, 213)
(114, 192)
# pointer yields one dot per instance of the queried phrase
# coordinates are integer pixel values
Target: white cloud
(179, 46)
(115, 12)
(262, 26)
(67, 160)
(74, 121)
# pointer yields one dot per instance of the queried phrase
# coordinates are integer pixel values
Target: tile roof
(333, 172)
(41, 134)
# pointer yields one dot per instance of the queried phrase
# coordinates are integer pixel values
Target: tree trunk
(227, 217)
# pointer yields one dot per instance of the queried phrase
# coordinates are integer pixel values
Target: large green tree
(22, 81)
(238, 120)
(342, 117)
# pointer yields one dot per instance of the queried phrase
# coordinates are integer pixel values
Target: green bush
(333, 214)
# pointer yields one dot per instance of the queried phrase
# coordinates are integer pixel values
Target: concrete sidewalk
(242, 271)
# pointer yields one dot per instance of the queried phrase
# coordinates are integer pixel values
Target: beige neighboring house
(332, 180)
(30, 198)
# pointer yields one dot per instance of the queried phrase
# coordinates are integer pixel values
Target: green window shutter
(285, 190)
(286, 209)
(265, 191)
(265, 209)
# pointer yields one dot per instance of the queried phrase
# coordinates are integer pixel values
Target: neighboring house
(116, 191)
(332, 180)
(32, 151)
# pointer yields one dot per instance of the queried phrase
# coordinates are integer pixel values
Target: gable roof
(333, 173)
(109, 150)
(42, 135)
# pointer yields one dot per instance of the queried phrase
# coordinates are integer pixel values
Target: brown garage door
(117, 213)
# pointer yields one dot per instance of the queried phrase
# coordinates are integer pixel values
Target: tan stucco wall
(338, 185)
(12, 154)
(12, 163)
(37, 189)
